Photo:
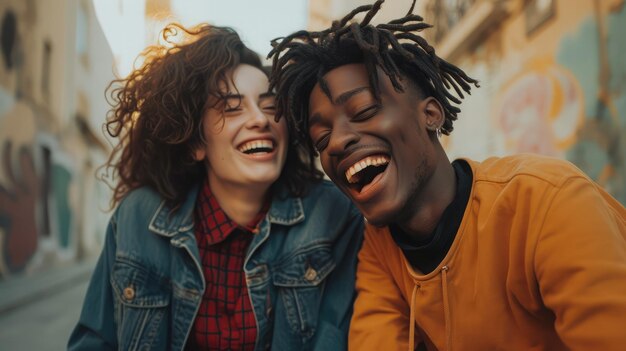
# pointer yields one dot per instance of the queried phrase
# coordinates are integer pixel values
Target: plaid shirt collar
(214, 223)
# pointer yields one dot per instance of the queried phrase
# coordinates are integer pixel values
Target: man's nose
(342, 137)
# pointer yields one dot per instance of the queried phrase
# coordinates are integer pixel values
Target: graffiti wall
(52, 208)
(562, 93)
(45, 194)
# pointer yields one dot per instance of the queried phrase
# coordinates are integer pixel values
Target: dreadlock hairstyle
(157, 113)
(301, 59)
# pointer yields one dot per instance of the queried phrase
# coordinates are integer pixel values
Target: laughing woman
(224, 236)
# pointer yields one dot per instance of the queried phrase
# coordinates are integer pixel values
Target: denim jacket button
(129, 293)
(310, 274)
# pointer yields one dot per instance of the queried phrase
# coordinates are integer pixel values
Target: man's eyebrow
(348, 94)
(315, 119)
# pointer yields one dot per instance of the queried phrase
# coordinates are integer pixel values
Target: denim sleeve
(96, 327)
(339, 293)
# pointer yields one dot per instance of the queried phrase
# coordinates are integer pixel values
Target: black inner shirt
(427, 254)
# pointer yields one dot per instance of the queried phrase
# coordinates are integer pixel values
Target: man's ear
(433, 113)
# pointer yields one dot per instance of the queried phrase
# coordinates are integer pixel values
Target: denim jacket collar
(168, 223)
(284, 210)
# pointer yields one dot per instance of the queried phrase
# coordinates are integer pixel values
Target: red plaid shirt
(225, 320)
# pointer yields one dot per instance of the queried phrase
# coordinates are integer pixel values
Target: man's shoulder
(530, 167)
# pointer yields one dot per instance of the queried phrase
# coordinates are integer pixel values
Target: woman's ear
(199, 154)
(433, 113)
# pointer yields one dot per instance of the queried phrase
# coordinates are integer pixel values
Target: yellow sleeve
(580, 264)
(381, 315)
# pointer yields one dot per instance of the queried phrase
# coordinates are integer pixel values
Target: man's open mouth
(364, 171)
(257, 147)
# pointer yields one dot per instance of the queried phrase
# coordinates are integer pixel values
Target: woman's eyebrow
(233, 96)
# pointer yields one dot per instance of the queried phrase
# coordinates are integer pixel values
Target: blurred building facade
(552, 76)
(54, 67)
(552, 79)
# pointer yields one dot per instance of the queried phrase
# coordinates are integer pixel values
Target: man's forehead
(345, 78)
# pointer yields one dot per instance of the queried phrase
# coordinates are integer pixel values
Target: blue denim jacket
(148, 283)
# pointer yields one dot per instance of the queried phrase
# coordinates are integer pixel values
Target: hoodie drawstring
(412, 319)
(446, 310)
(446, 305)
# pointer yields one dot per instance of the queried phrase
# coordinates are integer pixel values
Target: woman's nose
(258, 119)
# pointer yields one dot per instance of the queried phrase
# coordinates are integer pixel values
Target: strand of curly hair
(301, 59)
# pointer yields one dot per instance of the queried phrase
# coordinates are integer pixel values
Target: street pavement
(43, 324)
(45, 321)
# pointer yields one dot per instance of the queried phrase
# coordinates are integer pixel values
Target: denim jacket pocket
(299, 279)
(142, 299)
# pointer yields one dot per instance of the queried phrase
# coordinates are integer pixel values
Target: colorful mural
(601, 143)
(573, 105)
(18, 210)
(39, 195)
(541, 110)
(35, 204)
(50, 211)
(61, 181)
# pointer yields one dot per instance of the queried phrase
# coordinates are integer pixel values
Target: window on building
(82, 33)
(45, 71)
(445, 14)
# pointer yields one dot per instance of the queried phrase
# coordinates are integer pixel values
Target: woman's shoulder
(325, 189)
(325, 195)
(140, 200)
(138, 207)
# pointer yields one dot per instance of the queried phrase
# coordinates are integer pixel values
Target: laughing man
(514, 253)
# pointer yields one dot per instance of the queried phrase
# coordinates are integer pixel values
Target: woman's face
(244, 145)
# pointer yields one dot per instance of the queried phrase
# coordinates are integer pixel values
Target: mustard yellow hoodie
(538, 263)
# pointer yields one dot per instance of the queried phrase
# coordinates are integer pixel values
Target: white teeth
(362, 164)
(256, 144)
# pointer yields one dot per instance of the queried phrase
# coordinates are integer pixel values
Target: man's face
(379, 153)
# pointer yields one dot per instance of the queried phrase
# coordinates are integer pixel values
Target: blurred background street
(43, 309)
(43, 324)
(552, 74)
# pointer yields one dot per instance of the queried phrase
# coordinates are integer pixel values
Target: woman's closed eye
(269, 108)
(233, 104)
(234, 109)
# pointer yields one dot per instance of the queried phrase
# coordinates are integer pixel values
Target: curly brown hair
(157, 113)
